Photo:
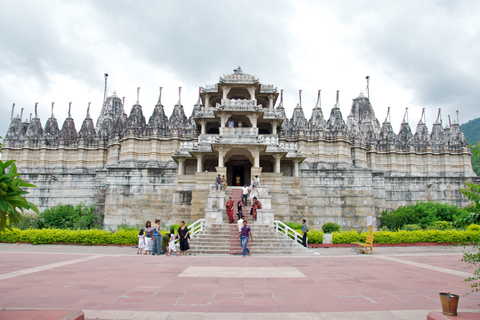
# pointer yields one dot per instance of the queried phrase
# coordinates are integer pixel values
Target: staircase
(222, 239)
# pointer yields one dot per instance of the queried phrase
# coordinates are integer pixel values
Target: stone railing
(238, 131)
(238, 105)
(265, 139)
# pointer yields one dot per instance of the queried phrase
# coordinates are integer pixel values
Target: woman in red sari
(229, 207)
(256, 205)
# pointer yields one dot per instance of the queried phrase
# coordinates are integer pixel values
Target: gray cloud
(429, 47)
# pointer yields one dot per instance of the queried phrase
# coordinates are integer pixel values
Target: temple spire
(21, 115)
(53, 103)
(138, 95)
(69, 109)
(199, 96)
(405, 116)
(337, 103)
(439, 116)
(88, 110)
(423, 117)
(387, 118)
(180, 96)
(13, 110)
(281, 98)
(319, 103)
(159, 102)
(36, 106)
(30, 117)
(300, 97)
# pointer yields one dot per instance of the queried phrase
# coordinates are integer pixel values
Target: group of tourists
(150, 239)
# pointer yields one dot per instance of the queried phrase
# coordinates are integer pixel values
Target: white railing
(288, 232)
(195, 228)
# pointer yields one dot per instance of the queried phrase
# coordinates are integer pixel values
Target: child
(141, 242)
(171, 243)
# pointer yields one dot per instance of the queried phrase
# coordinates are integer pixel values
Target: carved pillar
(221, 155)
(274, 127)
(270, 103)
(256, 158)
(199, 162)
(225, 90)
(277, 158)
(251, 90)
(203, 123)
(253, 119)
(295, 168)
(207, 102)
(180, 166)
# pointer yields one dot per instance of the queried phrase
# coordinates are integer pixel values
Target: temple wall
(60, 188)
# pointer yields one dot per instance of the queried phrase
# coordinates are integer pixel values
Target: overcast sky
(418, 54)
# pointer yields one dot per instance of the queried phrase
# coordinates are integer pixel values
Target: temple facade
(321, 169)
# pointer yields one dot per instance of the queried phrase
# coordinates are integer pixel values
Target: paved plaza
(115, 283)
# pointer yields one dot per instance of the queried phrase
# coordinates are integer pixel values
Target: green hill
(471, 130)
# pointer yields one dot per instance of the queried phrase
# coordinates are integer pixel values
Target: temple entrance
(240, 168)
(238, 175)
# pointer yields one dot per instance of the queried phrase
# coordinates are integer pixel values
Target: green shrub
(473, 227)
(403, 236)
(296, 226)
(30, 221)
(411, 227)
(331, 227)
(87, 237)
(315, 236)
(346, 237)
(70, 217)
(440, 225)
(421, 213)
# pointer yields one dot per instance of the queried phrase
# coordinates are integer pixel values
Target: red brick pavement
(151, 283)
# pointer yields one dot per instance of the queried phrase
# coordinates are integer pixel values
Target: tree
(12, 202)
(472, 192)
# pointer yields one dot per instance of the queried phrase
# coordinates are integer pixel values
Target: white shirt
(245, 190)
(240, 224)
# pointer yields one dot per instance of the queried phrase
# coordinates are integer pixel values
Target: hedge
(403, 236)
(89, 237)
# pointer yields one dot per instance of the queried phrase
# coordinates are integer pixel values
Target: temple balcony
(239, 105)
(236, 139)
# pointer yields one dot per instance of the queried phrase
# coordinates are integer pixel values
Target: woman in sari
(256, 205)
(229, 206)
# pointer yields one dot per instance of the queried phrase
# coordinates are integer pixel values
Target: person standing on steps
(229, 206)
(240, 226)
(245, 191)
(245, 234)
(239, 210)
(218, 182)
(304, 231)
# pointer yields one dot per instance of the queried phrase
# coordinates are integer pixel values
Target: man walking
(304, 231)
(245, 191)
(245, 234)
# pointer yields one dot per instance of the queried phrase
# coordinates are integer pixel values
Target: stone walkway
(115, 283)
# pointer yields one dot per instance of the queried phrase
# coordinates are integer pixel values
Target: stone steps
(222, 239)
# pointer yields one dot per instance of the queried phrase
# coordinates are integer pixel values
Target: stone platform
(115, 283)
